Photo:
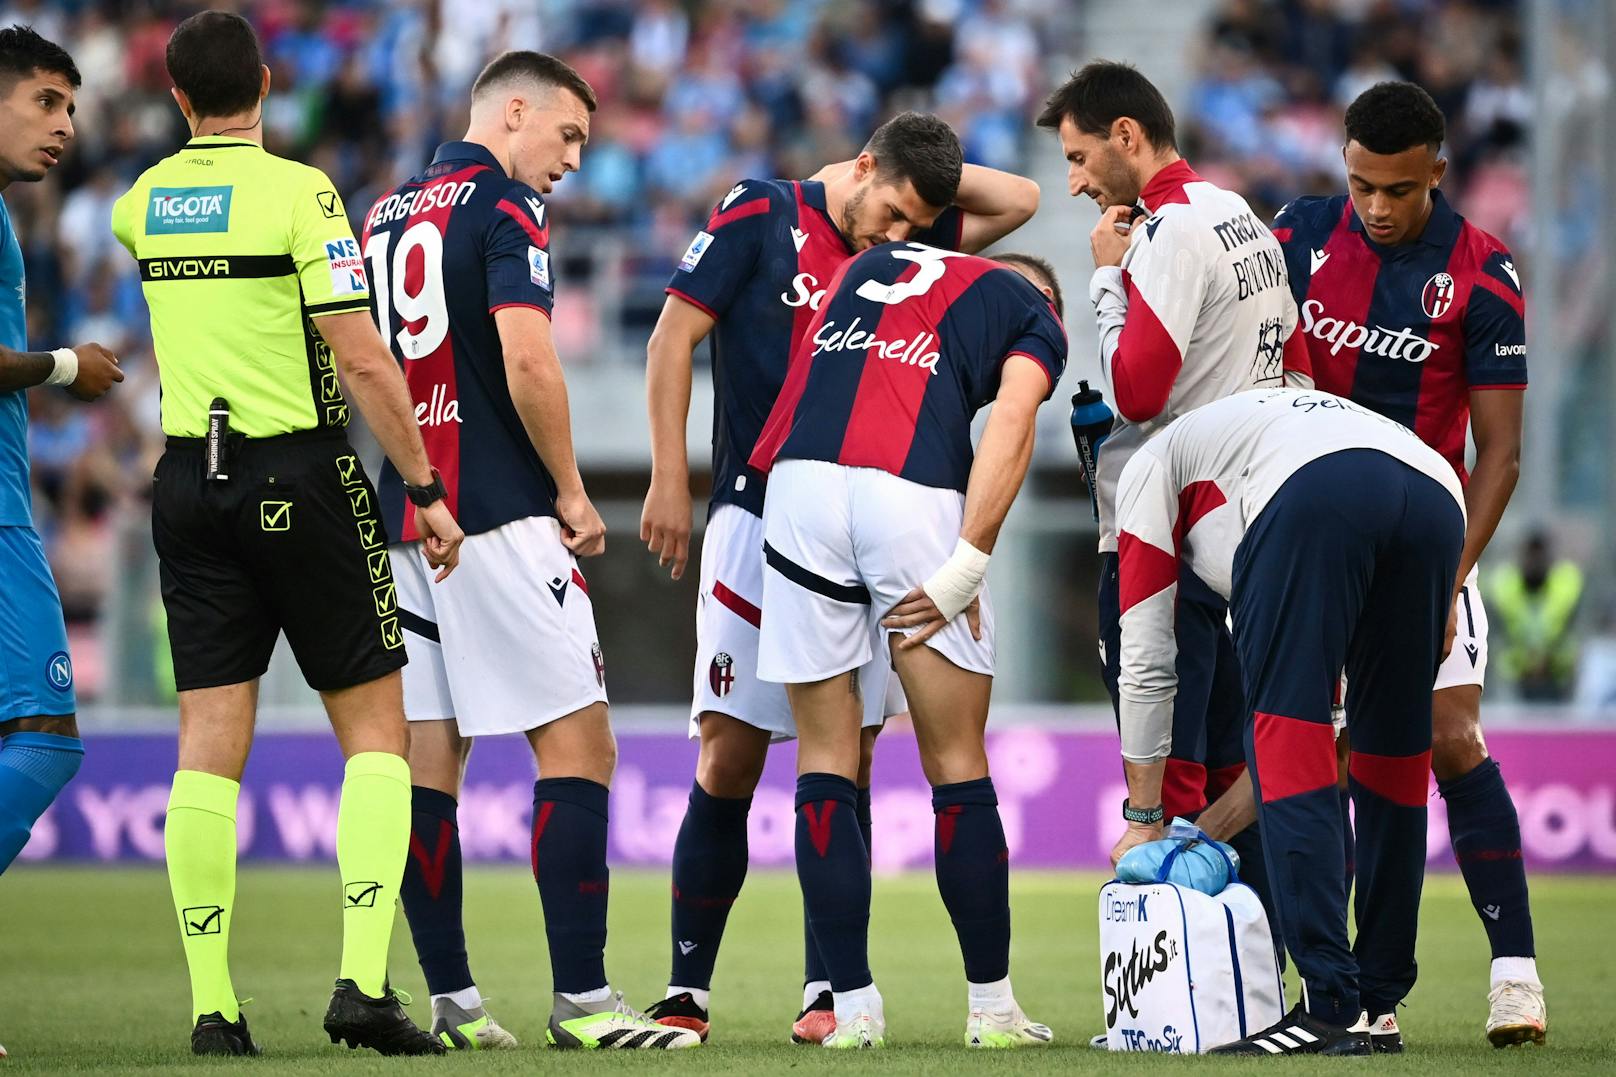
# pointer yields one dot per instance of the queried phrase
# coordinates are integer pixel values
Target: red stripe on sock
(947, 820)
(432, 866)
(1293, 755)
(541, 817)
(1401, 779)
(819, 824)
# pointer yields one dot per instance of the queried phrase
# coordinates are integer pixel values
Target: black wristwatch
(426, 495)
(1147, 816)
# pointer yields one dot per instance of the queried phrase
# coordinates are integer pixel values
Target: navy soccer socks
(833, 867)
(973, 875)
(432, 890)
(569, 865)
(34, 767)
(709, 866)
(1486, 836)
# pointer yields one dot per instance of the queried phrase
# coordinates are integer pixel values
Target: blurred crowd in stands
(1275, 76)
(694, 94)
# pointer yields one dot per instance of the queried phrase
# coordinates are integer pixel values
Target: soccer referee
(264, 520)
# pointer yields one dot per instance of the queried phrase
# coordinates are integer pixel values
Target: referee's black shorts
(291, 542)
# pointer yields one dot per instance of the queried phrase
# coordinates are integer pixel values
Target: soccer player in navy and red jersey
(878, 523)
(1412, 311)
(463, 287)
(751, 280)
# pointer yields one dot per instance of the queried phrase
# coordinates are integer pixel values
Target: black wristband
(1147, 816)
(426, 495)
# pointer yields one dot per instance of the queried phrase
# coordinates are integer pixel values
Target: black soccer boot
(213, 1035)
(378, 1023)
(1299, 1033)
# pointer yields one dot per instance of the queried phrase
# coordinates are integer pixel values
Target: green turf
(91, 978)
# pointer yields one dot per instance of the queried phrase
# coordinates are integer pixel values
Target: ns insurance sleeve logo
(182, 210)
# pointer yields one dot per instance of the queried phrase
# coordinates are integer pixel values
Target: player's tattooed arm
(995, 204)
(93, 371)
(665, 520)
(539, 391)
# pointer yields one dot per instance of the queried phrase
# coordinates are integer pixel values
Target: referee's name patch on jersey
(347, 268)
(181, 210)
(538, 266)
(693, 253)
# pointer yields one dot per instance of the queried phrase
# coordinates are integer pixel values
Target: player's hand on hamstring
(582, 530)
(917, 608)
(1136, 834)
(440, 537)
(665, 525)
(1106, 242)
(98, 371)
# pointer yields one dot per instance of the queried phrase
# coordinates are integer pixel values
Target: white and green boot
(619, 1028)
(460, 1029)
(1005, 1029)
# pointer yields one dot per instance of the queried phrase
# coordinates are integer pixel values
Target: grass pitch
(92, 979)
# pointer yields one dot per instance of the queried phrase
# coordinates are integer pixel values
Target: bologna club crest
(1437, 296)
(721, 674)
(600, 664)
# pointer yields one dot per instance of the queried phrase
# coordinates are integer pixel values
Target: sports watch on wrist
(426, 495)
(1147, 816)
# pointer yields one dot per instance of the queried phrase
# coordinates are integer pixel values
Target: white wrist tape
(67, 367)
(952, 587)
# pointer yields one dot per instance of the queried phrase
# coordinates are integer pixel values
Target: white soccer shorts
(843, 546)
(507, 643)
(728, 613)
(1467, 662)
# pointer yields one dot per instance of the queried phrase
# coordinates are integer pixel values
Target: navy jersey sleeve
(724, 255)
(945, 232)
(1043, 340)
(1495, 326)
(1292, 230)
(517, 252)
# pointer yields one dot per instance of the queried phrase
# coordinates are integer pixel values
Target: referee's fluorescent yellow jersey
(239, 251)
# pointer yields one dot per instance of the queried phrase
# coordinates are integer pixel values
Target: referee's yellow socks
(200, 840)
(373, 836)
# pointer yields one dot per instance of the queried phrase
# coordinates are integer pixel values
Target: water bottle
(1091, 425)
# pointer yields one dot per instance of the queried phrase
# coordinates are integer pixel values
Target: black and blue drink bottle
(1092, 419)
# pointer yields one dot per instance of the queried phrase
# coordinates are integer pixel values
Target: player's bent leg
(709, 863)
(949, 708)
(1486, 837)
(39, 755)
(373, 833)
(833, 863)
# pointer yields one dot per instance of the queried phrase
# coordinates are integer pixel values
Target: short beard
(850, 210)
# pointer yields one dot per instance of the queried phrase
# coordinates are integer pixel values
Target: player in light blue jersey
(39, 737)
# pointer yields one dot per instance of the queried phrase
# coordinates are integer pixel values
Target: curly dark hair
(1391, 117)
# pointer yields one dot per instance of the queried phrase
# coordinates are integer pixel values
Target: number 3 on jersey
(412, 284)
(930, 261)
